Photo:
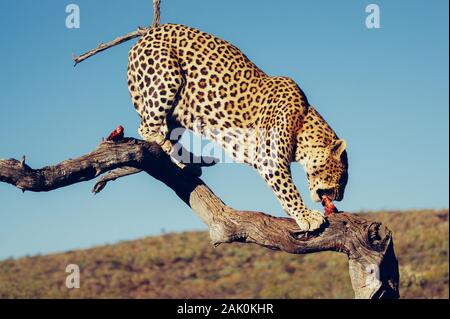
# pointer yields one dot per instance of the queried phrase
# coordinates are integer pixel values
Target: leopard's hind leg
(154, 94)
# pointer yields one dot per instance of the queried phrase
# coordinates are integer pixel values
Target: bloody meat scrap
(116, 135)
(327, 203)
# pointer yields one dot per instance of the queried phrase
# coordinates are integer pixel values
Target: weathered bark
(372, 263)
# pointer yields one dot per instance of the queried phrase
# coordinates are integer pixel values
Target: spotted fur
(179, 77)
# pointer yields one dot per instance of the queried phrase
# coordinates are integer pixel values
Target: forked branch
(369, 246)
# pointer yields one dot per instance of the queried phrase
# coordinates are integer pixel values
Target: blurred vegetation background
(187, 266)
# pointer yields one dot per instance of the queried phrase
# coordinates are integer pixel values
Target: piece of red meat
(327, 203)
(117, 134)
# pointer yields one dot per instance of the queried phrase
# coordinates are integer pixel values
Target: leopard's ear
(339, 147)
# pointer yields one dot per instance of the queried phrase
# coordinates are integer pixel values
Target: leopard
(181, 77)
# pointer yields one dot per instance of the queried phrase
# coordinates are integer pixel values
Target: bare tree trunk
(369, 246)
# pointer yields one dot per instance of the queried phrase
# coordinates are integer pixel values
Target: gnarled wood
(372, 263)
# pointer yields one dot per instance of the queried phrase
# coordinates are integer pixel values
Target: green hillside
(187, 266)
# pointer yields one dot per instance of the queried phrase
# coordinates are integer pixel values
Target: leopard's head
(323, 156)
(327, 171)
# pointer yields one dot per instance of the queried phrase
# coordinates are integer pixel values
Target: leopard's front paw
(310, 220)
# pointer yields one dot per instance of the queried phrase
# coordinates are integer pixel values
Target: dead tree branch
(103, 46)
(129, 36)
(156, 13)
(369, 246)
(113, 175)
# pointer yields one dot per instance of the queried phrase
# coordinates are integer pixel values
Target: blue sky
(384, 90)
